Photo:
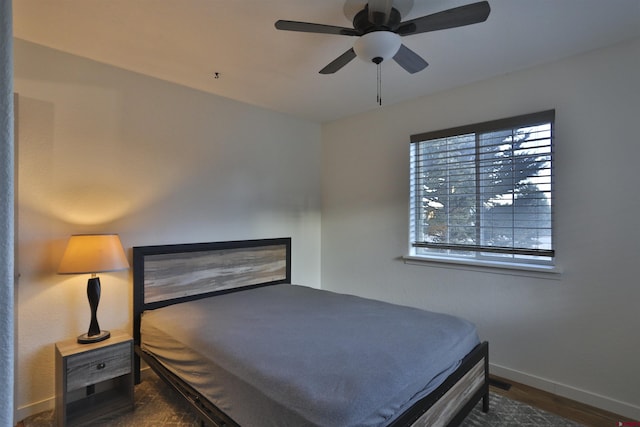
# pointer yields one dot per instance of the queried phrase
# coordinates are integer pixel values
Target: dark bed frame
(170, 274)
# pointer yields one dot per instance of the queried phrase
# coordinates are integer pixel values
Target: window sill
(531, 270)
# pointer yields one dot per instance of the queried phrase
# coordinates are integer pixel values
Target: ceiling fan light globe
(377, 44)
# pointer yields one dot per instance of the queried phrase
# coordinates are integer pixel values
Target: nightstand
(93, 379)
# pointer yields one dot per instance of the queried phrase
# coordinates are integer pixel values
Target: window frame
(544, 260)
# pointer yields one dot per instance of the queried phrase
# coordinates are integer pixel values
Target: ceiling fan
(379, 28)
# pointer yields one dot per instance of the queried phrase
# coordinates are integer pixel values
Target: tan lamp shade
(93, 253)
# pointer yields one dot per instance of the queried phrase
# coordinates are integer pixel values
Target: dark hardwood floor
(567, 408)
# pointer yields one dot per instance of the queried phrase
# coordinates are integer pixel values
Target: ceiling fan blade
(451, 18)
(379, 11)
(308, 27)
(409, 60)
(339, 62)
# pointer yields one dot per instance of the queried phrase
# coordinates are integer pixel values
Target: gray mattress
(287, 355)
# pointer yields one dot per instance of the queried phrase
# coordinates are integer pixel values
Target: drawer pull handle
(101, 365)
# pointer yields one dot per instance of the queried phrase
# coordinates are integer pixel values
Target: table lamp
(93, 253)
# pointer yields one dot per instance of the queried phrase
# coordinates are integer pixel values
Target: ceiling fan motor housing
(362, 24)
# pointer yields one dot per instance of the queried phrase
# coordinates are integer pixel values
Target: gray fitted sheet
(287, 355)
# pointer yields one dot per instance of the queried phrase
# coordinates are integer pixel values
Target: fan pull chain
(379, 97)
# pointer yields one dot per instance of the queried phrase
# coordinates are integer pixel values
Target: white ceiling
(187, 41)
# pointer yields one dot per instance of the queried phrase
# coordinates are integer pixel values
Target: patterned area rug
(504, 412)
(157, 405)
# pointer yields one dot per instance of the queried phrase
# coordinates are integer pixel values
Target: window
(484, 192)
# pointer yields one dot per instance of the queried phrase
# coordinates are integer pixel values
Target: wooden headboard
(170, 274)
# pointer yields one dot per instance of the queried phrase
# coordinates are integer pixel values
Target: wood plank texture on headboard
(177, 275)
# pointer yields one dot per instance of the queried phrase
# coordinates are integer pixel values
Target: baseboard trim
(602, 402)
(35, 408)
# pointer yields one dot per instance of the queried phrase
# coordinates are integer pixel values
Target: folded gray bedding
(288, 355)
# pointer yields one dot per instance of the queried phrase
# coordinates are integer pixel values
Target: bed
(223, 325)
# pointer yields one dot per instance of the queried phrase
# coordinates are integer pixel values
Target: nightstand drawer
(99, 365)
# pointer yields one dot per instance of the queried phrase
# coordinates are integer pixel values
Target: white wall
(105, 150)
(576, 334)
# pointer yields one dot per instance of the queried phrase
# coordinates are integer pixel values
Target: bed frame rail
(209, 413)
(452, 401)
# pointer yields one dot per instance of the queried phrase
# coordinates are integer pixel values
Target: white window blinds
(484, 190)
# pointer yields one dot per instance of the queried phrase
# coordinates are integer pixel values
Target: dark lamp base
(86, 339)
